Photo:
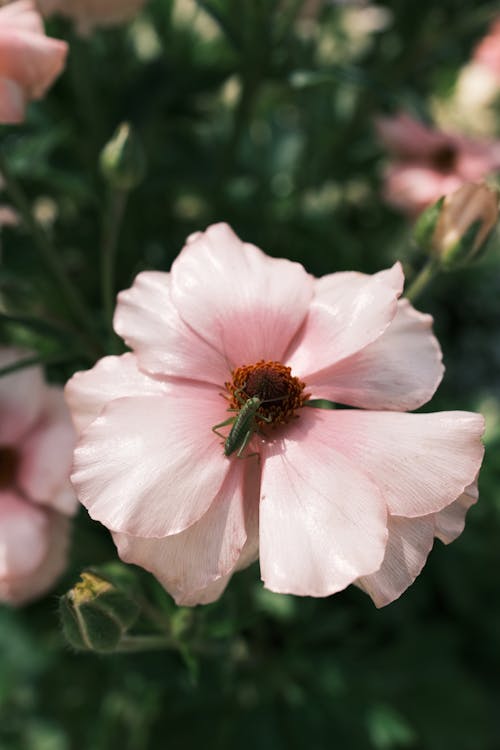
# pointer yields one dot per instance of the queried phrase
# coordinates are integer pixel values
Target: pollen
(282, 394)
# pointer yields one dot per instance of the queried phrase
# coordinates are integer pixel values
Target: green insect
(244, 425)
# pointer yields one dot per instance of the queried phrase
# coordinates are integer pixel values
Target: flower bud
(123, 162)
(456, 228)
(96, 613)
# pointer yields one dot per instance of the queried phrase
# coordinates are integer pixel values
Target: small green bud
(455, 230)
(426, 224)
(122, 160)
(96, 614)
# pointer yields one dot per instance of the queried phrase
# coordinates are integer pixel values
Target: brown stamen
(281, 393)
(444, 158)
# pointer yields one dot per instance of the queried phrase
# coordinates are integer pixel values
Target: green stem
(422, 280)
(135, 643)
(49, 256)
(118, 203)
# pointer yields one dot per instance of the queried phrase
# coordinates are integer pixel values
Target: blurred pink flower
(36, 498)
(487, 53)
(336, 497)
(29, 60)
(90, 13)
(430, 163)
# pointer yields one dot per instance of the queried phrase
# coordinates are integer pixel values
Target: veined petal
(420, 462)
(322, 522)
(243, 303)
(149, 323)
(152, 466)
(400, 370)
(410, 541)
(186, 564)
(21, 397)
(349, 311)
(450, 522)
(88, 392)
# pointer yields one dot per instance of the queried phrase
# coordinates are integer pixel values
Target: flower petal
(450, 522)
(21, 397)
(46, 456)
(322, 522)
(88, 392)
(187, 563)
(420, 462)
(24, 588)
(400, 370)
(152, 466)
(245, 304)
(12, 102)
(149, 323)
(23, 536)
(410, 541)
(348, 312)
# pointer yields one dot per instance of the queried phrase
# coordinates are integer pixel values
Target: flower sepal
(97, 612)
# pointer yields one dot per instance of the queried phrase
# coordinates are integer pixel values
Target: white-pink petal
(23, 536)
(88, 392)
(400, 370)
(420, 462)
(152, 466)
(46, 456)
(322, 521)
(149, 323)
(22, 395)
(349, 311)
(450, 522)
(410, 541)
(187, 563)
(243, 303)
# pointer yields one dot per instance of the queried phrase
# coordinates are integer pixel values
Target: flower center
(9, 460)
(280, 392)
(444, 158)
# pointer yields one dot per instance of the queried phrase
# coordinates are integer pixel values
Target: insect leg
(215, 428)
(244, 444)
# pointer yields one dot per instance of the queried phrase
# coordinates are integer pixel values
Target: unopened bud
(96, 613)
(123, 162)
(455, 230)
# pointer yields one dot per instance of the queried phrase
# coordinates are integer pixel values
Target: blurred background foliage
(259, 113)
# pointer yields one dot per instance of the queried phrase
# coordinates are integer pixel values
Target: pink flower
(487, 53)
(36, 498)
(336, 497)
(430, 163)
(90, 13)
(29, 60)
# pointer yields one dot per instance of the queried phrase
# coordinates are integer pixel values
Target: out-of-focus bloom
(472, 105)
(336, 496)
(90, 13)
(36, 498)
(430, 163)
(487, 52)
(464, 223)
(29, 60)
(8, 217)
